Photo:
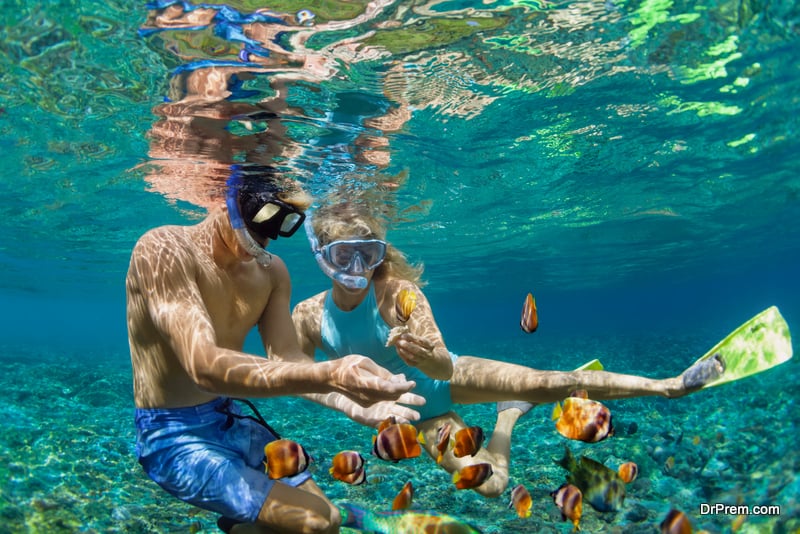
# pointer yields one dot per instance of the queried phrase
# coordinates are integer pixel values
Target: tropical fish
(569, 500)
(402, 522)
(403, 499)
(601, 486)
(676, 522)
(396, 441)
(348, 466)
(472, 476)
(405, 304)
(284, 458)
(628, 472)
(583, 419)
(521, 501)
(468, 441)
(442, 441)
(530, 318)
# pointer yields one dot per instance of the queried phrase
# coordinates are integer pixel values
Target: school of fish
(576, 418)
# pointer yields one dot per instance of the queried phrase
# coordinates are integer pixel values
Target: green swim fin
(759, 344)
(593, 365)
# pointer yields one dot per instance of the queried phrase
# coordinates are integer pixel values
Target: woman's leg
(304, 509)
(496, 452)
(477, 380)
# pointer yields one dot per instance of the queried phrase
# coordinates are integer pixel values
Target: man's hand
(364, 381)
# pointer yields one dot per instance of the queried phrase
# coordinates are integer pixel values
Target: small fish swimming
(396, 441)
(442, 441)
(601, 486)
(676, 522)
(404, 497)
(468, 441)
(402, 522)
(472, 476)
(628, 472)
(569, 500)
(521, 501)
(583, 419)
(348, 466)
(284, 458)
(405, 304)
(530, 317)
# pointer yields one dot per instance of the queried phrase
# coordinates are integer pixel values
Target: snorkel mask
(253, 206)
(345, 261)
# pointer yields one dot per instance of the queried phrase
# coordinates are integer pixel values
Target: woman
(358, 312)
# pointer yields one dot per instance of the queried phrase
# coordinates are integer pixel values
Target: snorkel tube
(237, 222)
(347, 280)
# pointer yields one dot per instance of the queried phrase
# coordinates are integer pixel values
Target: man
(193, 294)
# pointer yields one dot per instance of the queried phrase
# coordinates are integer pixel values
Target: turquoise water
(633, 164)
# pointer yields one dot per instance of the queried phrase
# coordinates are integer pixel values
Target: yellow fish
(676, 522)
(403, 499)
(348, 466)
(468, 441)
(405, 304)
(521, 501)
(628, 472)
(472, 476)
(583, 419)
(442, 441)
(284, 458)
(530, 317)
(569, 500)
(601, 487)
(396, 441)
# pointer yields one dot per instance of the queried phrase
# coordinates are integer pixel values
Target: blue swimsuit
(363, 331)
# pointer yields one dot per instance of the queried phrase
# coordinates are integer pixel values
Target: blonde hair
(356, 220)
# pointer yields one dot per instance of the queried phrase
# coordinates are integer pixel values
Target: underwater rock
(636, 513)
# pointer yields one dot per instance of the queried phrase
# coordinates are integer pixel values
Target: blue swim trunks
(207, 458)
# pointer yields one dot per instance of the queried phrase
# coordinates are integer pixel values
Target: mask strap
(347, 280)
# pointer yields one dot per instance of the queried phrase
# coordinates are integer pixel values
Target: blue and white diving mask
(346, 261)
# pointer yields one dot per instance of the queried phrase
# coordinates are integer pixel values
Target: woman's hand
(377, 413)
(413, 349)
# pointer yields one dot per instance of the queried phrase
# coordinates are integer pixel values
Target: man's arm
(306, 317)
(167, 276)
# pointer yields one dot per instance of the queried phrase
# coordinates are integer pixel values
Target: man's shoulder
(160, 238)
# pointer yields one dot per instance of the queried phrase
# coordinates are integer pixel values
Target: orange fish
(530, 318)
(583, 419)
(403, 499)
(468, 441)
(569, 500)
(521, 501)
(284, 458)
(442, 441)
(628, 472)
(396, 441)
(348, 466)
(405, 304)
(676, 522)
(472, 476)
